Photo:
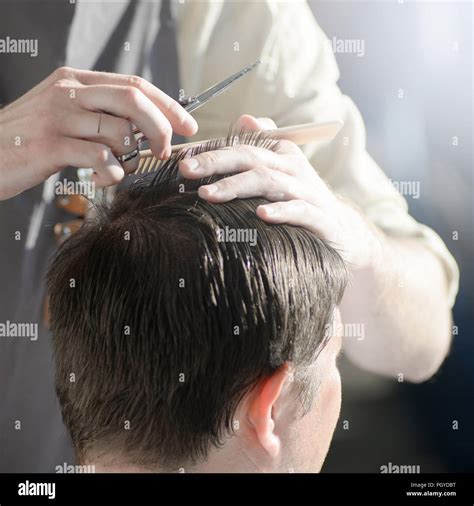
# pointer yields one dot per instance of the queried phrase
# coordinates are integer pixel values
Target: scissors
(190, 104)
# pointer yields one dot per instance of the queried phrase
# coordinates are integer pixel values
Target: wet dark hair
(166, 323)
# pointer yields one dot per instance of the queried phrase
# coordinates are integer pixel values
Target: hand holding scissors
(86, 119)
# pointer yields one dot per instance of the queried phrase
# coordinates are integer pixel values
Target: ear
(260, 410)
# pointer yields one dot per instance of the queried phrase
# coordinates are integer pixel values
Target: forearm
(401, 302)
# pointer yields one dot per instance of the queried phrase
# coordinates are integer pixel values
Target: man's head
(196, 336)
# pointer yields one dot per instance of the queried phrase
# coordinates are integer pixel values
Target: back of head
(166, 310)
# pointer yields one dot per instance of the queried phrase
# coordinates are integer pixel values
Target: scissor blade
(218, 88)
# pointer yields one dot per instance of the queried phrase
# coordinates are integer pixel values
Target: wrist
(365, 243)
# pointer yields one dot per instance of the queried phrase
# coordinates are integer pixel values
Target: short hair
(167, 318)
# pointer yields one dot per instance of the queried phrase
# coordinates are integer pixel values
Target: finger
(81, 153)
(237, 159)
(285, 147)
(133, 105)
(105, 129)
(252, 123)
(58, 74)
(260, 182)
(301, 214)
(181, 121)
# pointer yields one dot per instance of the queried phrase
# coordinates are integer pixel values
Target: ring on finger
(128, 156)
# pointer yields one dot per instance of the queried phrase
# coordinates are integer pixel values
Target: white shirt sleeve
(296, 83)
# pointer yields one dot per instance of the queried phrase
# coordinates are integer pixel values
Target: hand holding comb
(299, 134)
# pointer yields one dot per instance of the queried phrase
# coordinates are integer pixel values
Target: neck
(232, 458)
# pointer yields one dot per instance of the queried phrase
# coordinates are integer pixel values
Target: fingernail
(276, 196)
(190, 124)
(211, 189)
(191, 163)
(165, 153)
(270, 211)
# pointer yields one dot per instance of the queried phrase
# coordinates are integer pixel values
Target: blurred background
(424, 49)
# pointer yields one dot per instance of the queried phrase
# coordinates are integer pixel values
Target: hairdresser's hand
(58, 123)
(299, 195)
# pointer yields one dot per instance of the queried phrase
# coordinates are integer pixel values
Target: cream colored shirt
(295, 83)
